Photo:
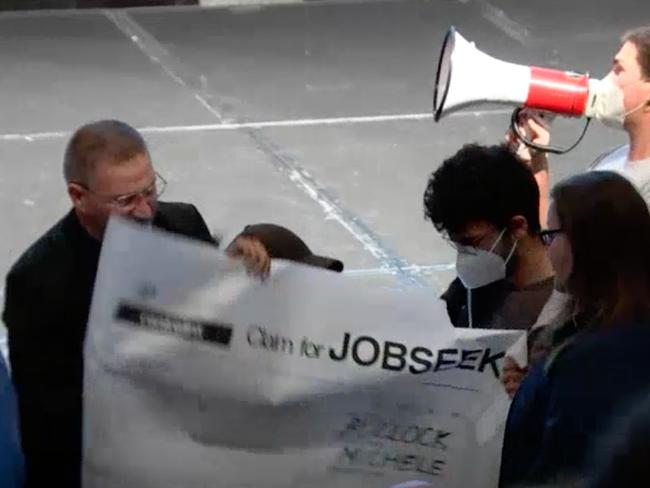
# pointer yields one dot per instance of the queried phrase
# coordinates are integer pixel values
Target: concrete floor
(311, 115)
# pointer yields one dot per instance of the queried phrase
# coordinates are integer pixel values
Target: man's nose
(143, 210)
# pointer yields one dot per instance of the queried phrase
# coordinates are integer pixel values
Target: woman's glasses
(548, 236)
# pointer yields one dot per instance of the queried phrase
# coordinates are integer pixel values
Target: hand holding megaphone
(467, 76)
(534, 127)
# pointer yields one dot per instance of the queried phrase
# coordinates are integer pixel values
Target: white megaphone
(467, 76)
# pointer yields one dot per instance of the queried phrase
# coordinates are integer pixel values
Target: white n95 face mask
(477, 267)
(609, 107)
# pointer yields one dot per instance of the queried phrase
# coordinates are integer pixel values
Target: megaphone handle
(514, 125)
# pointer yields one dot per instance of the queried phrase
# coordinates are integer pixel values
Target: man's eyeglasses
(130, 200)
(467, 245)
(548, 236)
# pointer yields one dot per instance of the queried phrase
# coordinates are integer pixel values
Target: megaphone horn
(467, 76)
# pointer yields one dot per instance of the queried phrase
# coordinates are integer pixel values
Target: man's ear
(518, 227)
(77, 194)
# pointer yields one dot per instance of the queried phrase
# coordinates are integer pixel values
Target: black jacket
(47, 301)
(498, 305)
(568, 402)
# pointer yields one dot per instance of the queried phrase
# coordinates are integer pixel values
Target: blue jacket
(566, 403)
(11, 458)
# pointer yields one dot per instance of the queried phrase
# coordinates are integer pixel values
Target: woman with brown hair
(598, 241)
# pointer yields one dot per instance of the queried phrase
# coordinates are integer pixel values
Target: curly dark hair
(487, 183)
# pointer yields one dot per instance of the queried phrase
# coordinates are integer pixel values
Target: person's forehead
(627, 55)
(123, 177)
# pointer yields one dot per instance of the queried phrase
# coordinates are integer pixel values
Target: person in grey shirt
(636, 171)
(628, 109)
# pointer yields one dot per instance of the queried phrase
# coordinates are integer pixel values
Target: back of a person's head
(481, 183)
(608, 226)
(640, 37)
(109, 141)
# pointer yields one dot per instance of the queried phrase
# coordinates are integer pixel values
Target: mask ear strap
(496, 243)
(636, 109)
(512, 251)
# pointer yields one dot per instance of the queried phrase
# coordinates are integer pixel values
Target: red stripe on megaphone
(561, 92)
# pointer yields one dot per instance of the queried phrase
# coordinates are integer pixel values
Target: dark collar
(77, 237)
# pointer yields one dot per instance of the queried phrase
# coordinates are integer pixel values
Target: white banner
(198, 376)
